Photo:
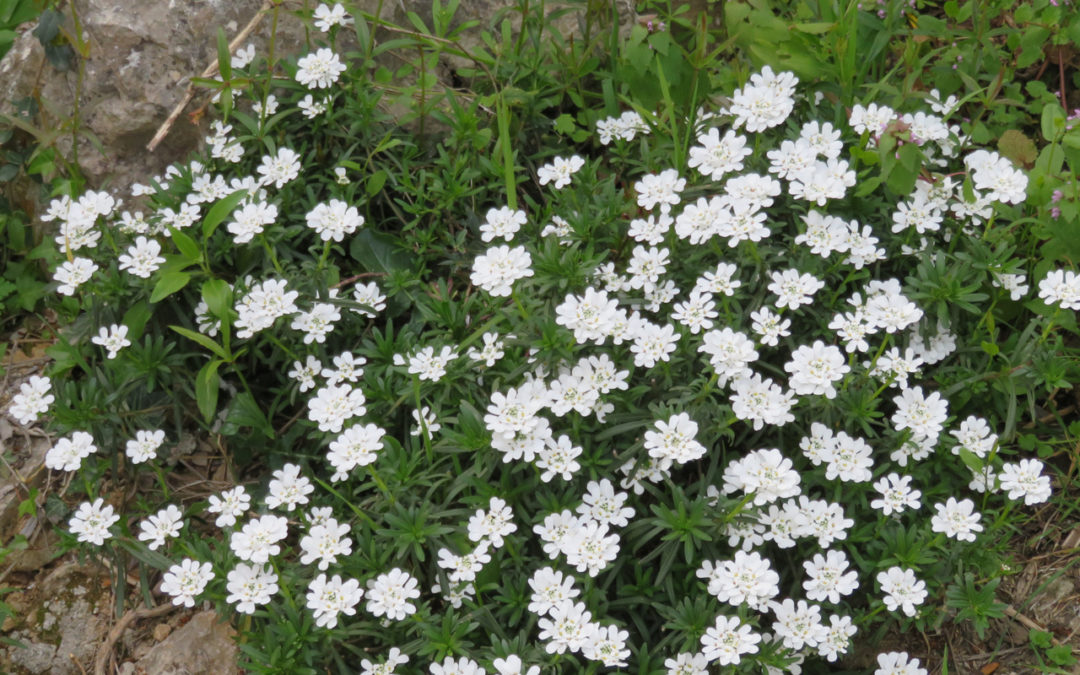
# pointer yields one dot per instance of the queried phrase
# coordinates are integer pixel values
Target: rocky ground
(61, 613)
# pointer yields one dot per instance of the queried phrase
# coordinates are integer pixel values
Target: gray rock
(203, 646)
(63, 620)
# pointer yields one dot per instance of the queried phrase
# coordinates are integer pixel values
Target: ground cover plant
(680, 365)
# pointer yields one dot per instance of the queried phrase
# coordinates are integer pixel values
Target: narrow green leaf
(168, 284)
(202, 340)
(220, 211)
(223, 56)
(207, 386)
(375, 182)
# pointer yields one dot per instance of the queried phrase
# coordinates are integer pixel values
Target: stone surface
(139, 65)
(61, 621)
(141, 62)
(203, 646)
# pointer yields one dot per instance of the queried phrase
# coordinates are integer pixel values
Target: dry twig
(211, 69)
(105, 651)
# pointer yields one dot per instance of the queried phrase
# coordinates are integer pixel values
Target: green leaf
(202, 340)
(970, 460)
(135, 319)
(990, 348)
(186, 245)
(143, 554)
(220, 211)
(1040, 638)
(375, 182)
(1061, 655)
(245, 412)
(814, 28)
(1053, 121)
(218, 297)
(223, 56)
(207, 387)
(1072, 139)
(377, 252)
(168, 284)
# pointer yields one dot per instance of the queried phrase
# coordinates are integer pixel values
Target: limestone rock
(62, 621)
(203, 646)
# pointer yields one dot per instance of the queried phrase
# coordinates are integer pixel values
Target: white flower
(814, 369)
(370, 295)
(673, 440)
(687, 664)
(1059, 287)
(258, 539)
(327, 17)
(356, 446)
(334, 405)
(896, 494)
(748, 578)
(567, 627)
(452, 666)
(794, 289)
(186, 580)
(311, 109)
(591, 317)
(727, 640)
(902, 590)
(499, 267)
(602, 504)
(956, 519)
(492, 524)
(68, 453)
(389, 595)
(491, 352)
(662, 189)
(828, 577)
(717, 156)
(281, 168)
(334, 220)
(316, 324)
(766, 101)
(262, 306)
(319, 70)
(1025, 479)
(550, 588)
(289, 488)
(897, 663)
(231, 505)
(425, 420)
(559, 171)
(327, 598)
(91, 522)
(32, 400)
(325, 542)
(389, 667)
(250, 219)
(924, 415)
(113, 339)
(165, 524)
(512, 665)
(142, 258)
(607, 644)
(428, 365)
(799, 624)
(502, 222)
(250, 585)
(74, 273)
